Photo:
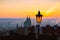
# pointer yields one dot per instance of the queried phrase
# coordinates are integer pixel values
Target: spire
(28, 18)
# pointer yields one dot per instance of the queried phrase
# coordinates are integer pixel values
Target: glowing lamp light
(39, 17)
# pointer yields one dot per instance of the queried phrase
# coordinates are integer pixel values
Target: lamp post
(38, 20)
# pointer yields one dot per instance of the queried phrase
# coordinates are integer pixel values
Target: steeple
(28, 19)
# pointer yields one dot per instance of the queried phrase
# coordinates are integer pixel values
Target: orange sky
(24, 8)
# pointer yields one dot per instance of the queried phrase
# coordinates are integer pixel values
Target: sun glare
(48, 11)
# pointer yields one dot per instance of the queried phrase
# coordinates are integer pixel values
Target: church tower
(27, 24)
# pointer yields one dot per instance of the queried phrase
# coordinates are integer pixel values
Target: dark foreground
(29, 37)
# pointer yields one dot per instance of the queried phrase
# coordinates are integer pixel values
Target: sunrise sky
(24, 8)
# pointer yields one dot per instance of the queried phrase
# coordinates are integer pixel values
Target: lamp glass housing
(38, 19)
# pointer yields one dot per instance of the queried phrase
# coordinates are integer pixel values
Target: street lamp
(38, 17)
(38, 20)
